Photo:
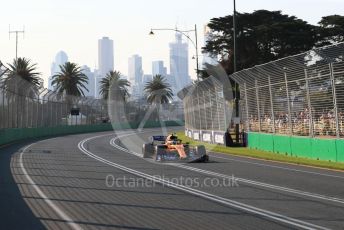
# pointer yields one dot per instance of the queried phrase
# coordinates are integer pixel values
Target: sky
(75, 26)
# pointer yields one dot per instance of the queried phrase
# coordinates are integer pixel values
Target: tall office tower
(135, 75)
(158, 68)
(146, 78)
(105, 56)
(91, 85)
(97, 78)
(60, 59)
(179, 63)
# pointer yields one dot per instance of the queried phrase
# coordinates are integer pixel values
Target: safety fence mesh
(27, 105)
(300, 95)
(206, 110)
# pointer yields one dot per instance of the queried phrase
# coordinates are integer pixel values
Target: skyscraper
(135, 74)
(135, 71)
(146, 78)
(91, 84)
(158, 68)
(60, 59)
(105, 56)
(179, 63)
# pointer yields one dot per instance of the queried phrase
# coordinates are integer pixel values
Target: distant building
(105, 56)
(97, 78)
(147, 78)
(135, 75)
(179, 63)
(158, 68)
(60, 59)
(91, 85)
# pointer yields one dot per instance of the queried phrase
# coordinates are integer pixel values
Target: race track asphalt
(99, 181)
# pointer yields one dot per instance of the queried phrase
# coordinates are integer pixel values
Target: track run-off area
(101, 181)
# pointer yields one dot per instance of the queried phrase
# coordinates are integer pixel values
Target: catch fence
(207, 111)
(301, 95)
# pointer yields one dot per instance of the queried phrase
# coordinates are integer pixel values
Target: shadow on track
(14, 212)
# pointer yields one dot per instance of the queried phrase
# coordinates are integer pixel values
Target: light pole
(15, 32)
(234, 70)
(194, 43)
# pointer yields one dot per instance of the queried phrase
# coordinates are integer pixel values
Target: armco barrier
(17, 134)
(313, 148)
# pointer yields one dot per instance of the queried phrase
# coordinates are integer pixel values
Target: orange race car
(170, 149)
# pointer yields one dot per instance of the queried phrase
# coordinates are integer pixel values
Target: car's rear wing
(158, 138)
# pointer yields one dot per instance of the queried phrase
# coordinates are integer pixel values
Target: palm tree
(22, 83)
(158, 91)
(24, 69)
(70, 80)
(112, 83)
(22, 77)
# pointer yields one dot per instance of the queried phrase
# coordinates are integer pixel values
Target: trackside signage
(218, 138)
(196, 135)
(206, 136)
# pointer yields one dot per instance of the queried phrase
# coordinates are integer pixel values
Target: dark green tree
(262, 36)
(70, 80)
(23, 70)
(113, 82)
(158, 91)
(22, 83)
(331, 30)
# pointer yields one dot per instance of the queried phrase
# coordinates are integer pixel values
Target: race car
(168, 149)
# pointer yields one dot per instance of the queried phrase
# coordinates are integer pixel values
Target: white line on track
(246, 181)
(275, 166)
(244, 207)
(52, 205)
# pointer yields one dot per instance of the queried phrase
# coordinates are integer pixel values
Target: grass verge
(263, 154)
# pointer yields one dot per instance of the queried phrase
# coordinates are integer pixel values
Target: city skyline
(76, 31)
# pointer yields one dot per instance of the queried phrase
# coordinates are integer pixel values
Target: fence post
(17, 110)
(311, 128)
(205, 112)
(246, 108)
(334, 95)
(193, 112)
(290, 124)
(37, 111)
(3, 125)
(211, 112)
(272, 107)
(217, 110)
(51, 112)
(42, 107)
(61, 112)
(258, 109)
(199, 111)
(8, 111)
(32, 112)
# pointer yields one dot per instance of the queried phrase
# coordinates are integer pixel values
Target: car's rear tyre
(200, 150)
(148, 150)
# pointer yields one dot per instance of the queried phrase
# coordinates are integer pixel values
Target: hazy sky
(75, 26)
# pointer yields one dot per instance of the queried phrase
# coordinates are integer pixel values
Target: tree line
(71, 81)
(264, 36)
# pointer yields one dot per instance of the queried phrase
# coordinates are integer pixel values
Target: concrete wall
(17, 134)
